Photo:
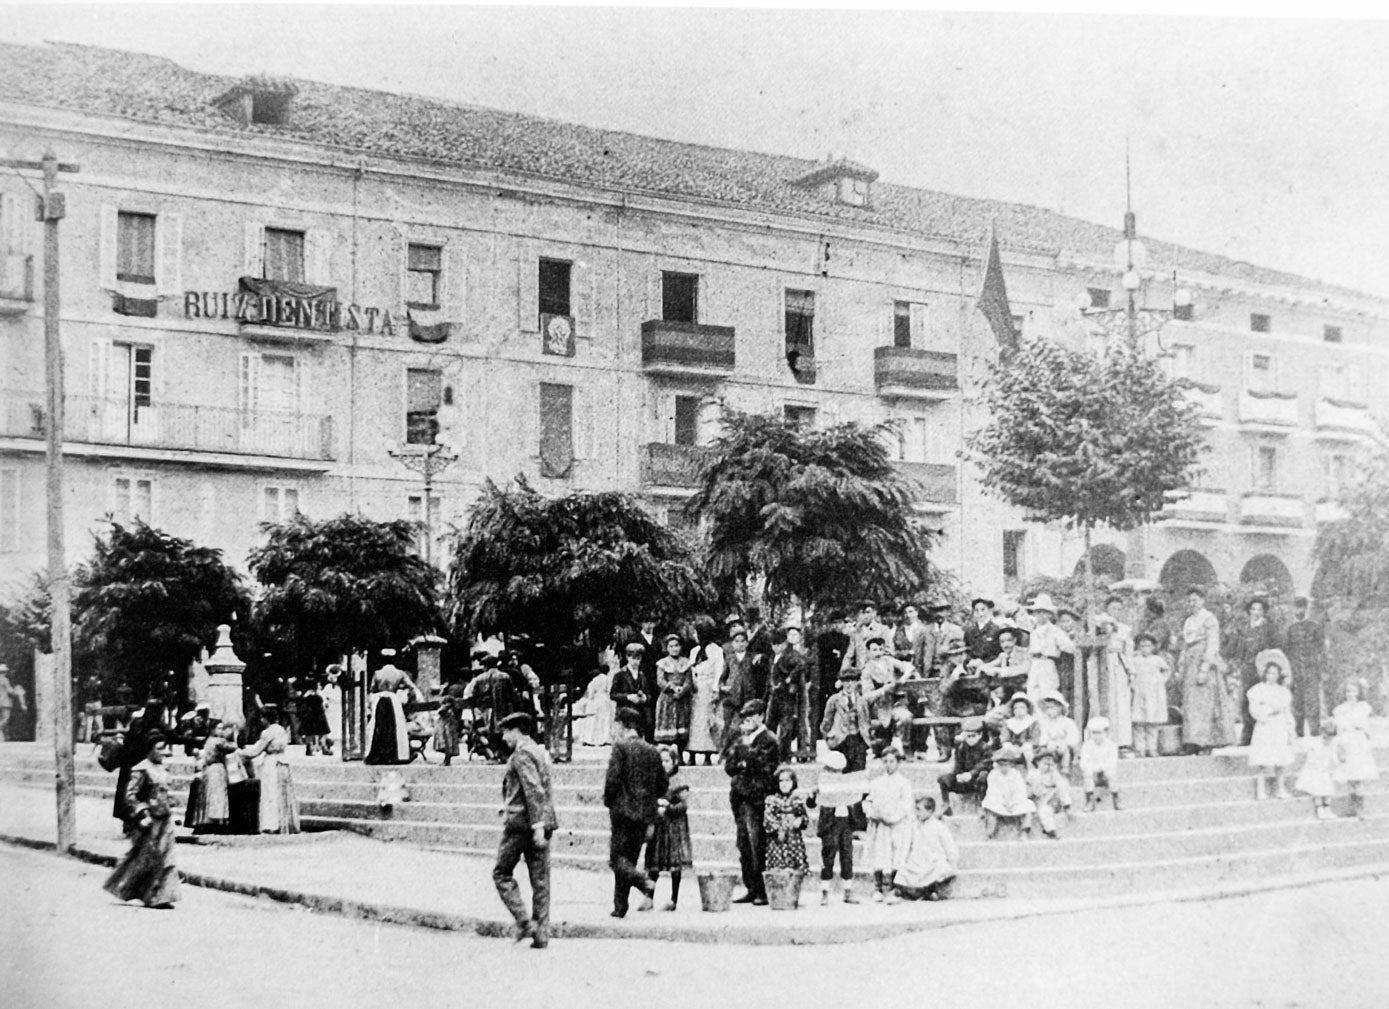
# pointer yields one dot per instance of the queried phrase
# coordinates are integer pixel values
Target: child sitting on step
(1005, 794)
(932, 855)
(1059, 732)
(1318, 770)
(1099, 763)
(839, 796)
(1050, 790)
(670, 848)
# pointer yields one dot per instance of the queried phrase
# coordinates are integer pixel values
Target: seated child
(839, 796)
(1050, 790)
(1005, 797)
(1099, 763)
(932, 855)
(1020, 728)
(971, 762)
(1059, 732)
(1317, 775)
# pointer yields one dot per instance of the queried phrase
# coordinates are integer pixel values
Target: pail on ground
(1169, 740)
(783, 888)
(715, 891)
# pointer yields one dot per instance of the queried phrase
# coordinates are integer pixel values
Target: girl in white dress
(1271, 706)
(1317, 777)
(1356, 763)
(888, 807)
(708, 669)
(597, 728)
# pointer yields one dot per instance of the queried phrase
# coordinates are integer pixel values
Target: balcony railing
(174, 426)
(1203, 505)
(16, 283)
(1208, 399)
(686, 348)
(1342, 415)
(1268, 408)
(1272, 510)
(910, 373)
(673, 465)
(936, 480)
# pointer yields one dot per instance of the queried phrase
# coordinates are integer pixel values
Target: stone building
(274, 289)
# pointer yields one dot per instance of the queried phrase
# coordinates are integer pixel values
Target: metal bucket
(1169, 740)
(715, 891)
(783, 888)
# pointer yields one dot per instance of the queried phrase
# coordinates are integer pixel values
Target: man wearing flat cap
(635, 781)
(752, 762)
(528, 821)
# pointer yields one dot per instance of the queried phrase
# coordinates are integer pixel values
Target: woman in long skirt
(147, 871)
(1207, 711)
(313, 721)
(279, 808)
(596, 729)
(390, 741)
(705, 726)
(210, 812)
(676, 685)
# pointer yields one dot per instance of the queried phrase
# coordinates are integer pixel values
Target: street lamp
(426, 460)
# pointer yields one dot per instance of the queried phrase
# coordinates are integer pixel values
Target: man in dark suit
(981, 633)
(651, 654)
(751, 763)
(628, 689)
(529, 811)
(635, 781)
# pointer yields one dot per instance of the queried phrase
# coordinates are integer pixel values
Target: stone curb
(769, 934)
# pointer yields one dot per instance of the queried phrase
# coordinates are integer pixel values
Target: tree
(557, 569)
(821, 515)
(1352, 553)
(1087, 440)
(340, 585)
(147, 603)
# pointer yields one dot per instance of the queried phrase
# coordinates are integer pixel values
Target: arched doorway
(1269, 574)
(1185, 569)
(1106, 561)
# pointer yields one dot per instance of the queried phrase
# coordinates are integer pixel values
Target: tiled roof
(153, 89)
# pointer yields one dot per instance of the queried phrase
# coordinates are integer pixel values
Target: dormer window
(842, 180)
(259, 100)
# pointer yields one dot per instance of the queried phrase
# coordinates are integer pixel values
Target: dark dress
(670, 848)
(134, 750)
(147, 871)
(785, 815)
(313, 719)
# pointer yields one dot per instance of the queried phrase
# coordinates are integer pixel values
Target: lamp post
(426, 460)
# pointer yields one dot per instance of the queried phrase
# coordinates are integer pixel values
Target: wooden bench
(418, 741)
(929, 724)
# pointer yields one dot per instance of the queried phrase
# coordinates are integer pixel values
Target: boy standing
(528, 812)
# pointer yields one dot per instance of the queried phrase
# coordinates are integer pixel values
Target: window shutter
(455, 274)
(253, 250)
(667, 405)
(99, 368)
(168, 253)
(528, 289)
(400, 243)
(581, 301)
(920, 337)
(11, 224)
(249, 383)
(108, 246)
(884, 319)
(655, 307)
(583, 423)
(318, 257)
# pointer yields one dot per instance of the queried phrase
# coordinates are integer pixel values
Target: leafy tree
(1352, 553)
(339, 585)
(821, 515)
(147, 603)
(557, 569)
(1087, 440)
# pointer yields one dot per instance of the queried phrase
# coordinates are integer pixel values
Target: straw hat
(1274, 657)
(1043, 603)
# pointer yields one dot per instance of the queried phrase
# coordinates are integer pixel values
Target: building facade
(273, 291)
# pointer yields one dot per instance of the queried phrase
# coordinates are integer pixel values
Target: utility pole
(51, 209)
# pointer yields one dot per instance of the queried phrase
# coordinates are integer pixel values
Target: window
(1181, 361)
(1265, 468)
(278, 504)
(121, 380)
(284, 255)
(1331, 334)
(1099, 297)
(801, 418)
(1262, 376)
(424, 522)
(556, 430)
(901, 323)
(135, 248)
(1260, 323)
(132, 498)
(424, 393)
(9, 509)
(800, 321)
(423, 266)
(853, 191)
(1184, 313)
(554, 287)
(269, 385)
(686, 420)
(270, 108)
(1335, 473)
(679, 297)
(1013, 540)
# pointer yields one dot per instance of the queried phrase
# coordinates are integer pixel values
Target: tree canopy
(1087, 440)
(823, 515)
(341, 584)
(1352, 553)
(148, 602)
(555, 568)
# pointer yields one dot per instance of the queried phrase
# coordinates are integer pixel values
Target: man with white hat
(1046, 643)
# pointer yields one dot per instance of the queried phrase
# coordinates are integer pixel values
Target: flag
(993, 299)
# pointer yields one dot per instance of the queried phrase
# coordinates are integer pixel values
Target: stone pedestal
(224, 671)
(428, 654)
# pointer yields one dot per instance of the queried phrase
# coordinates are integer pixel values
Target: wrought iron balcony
(1265, 509)
(936, 480)
(173, 426)
(1201, 505)
(686, 348)
(909, 373)
(668, 465)
(1277, 408)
